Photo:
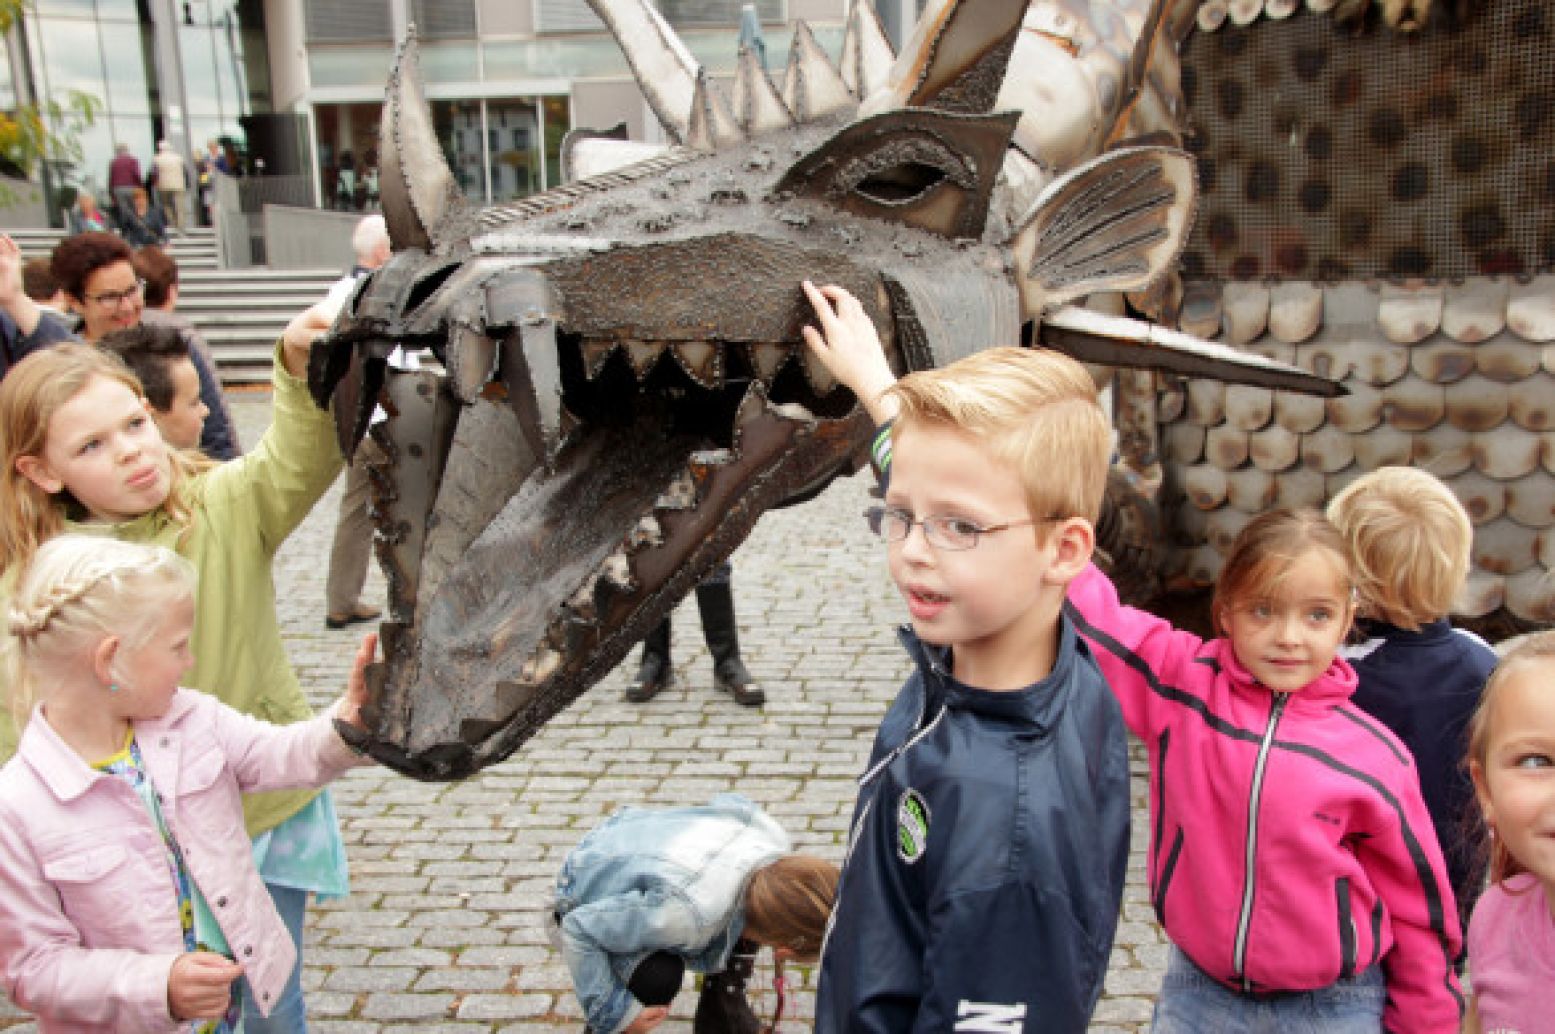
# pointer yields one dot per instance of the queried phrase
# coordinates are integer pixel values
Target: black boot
(723, 1007)
(653, 671)
(715, 599)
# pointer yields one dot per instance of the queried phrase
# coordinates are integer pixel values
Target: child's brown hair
(1410, 540)
(1263, 554)
(789, 903)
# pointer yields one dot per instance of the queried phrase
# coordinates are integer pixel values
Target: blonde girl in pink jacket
(129, 900)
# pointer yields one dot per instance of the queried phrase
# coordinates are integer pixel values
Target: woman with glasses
(97, 274)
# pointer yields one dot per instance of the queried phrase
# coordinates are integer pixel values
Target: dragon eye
(928, 169)
(903, 172)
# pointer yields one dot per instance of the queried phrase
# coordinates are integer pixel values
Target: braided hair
(76, 590)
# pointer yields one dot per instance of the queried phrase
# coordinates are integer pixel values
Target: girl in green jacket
(81, 453)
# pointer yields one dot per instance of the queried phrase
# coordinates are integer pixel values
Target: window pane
(558, 120)
(458, 128)
(514, 126)
(72, 57)
(130, 69)
(347, 148)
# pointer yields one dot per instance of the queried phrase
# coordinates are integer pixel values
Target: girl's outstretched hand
(849, 346)
(199, 986)
(305, 328)
(648, 1019)
(349, 709)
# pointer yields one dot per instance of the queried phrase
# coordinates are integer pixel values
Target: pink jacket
(1289, 845)
(88, 924)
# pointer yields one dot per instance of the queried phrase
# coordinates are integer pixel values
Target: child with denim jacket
(651, 892)
(129, 899)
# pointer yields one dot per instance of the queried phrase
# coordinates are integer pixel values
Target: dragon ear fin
(1114, 223)
(867, 55)
(417, 188)
(812, 86)
(710, 125)
(956, 58)
(757, 106)
(665, 70)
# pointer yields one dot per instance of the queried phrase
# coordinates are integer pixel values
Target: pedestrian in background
(123, 181)
(172, 184)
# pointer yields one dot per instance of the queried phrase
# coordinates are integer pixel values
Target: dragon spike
(955, 59)
(757, 106)
(866, 52)
(417, 189)
(711, 125)
(1115, 223)
(665, 70)
(812, 86)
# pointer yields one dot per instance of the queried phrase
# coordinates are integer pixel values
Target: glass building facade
(299, 84)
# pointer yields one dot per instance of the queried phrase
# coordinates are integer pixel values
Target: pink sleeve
(44, 968)
(282, 757)
(1405, 866)
(1138, 653)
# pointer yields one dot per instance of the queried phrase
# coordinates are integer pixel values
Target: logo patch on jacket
(912, 826)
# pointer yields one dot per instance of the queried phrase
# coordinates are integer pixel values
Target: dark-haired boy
(160, 358)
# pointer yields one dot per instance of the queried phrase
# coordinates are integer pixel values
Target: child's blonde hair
(1534, 649)
(1264, 553)
(76, 590)
(34, 390)
(789, 903)
(1035, 409)
(1410, 540)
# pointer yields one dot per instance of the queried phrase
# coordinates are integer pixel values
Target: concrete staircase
(241, 312)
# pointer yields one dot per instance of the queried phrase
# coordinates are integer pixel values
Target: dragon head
(625, 389)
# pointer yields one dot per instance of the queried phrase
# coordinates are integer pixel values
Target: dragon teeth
(767, 358)
(643, 356)
(595, 355)
(617, 571)
(816, 373)
(541, 665)
(702, 361)
(646, 533)
(680, 495)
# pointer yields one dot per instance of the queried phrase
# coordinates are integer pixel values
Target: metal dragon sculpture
(625, 389)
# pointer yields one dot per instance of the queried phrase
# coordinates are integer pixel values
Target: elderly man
(353, 530)
(123, 178)
(172, 184)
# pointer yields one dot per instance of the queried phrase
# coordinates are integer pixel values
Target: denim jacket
(658, 879)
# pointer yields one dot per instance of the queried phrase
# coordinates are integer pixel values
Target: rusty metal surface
(624, 389)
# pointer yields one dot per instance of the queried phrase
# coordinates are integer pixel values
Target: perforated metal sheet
(1331, 154)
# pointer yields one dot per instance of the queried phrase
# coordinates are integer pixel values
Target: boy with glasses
(986, 862)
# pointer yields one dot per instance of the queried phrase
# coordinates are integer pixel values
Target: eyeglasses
(114, 299)
(893, 524)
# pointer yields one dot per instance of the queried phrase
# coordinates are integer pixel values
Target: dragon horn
(417, 189)
(665, 70)
(710, 125)
(812, 86)
(757, 106)
(955, 59)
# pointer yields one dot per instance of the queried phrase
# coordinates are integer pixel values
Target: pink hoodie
(88, 919)
(1289, 845)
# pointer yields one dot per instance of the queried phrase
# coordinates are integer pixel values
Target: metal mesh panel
(443, 19)
(1327, 153)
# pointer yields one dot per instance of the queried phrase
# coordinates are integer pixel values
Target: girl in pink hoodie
(129, 900)
(1292, 859)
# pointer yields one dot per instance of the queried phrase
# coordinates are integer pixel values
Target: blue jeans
(1192, 1002)
(290, 1014)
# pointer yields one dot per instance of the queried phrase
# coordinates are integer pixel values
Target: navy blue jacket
(986, 865)
(1424, 686)
(16, 346)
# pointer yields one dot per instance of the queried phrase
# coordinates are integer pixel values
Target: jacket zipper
(1239, 960)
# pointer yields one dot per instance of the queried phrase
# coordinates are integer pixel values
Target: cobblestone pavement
(443, 931)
